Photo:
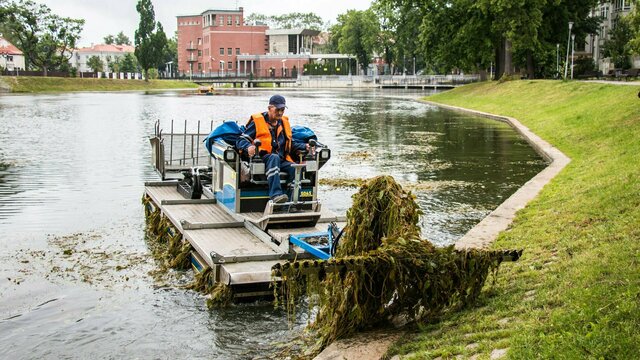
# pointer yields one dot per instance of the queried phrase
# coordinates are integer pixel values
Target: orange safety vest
(263, 133)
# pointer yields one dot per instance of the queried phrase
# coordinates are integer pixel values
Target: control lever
(312, 147)
(257, 144)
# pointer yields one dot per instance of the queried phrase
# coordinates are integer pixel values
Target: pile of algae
(382, 270)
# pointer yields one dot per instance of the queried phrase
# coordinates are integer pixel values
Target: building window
(221, 20)
(199, 52)
(9, 58)
(230, 65)
(199, 66)
(237, 51)
(199, 41)
(229, 51)
(221, 51)
(229, 20)
(237, 20)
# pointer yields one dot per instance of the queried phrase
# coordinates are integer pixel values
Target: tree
(634, 21)
(119, 39)
(472, 35)
(46, 40)
(150, 45)
(122, 39)
(170, 53)
(618, 47)
(357, 34)
(128, 63)
(95, 63)
(289, 21)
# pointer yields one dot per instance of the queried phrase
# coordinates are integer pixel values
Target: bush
(583, 65)
(153, 74)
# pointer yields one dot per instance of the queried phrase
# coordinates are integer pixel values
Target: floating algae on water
(383, 270)
(165, 241)
(170, 251)
(416, 186)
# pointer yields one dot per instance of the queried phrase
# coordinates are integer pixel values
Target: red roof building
(107, 53)
(11, 57)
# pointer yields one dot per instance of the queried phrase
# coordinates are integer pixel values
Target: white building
(11, 58)
(610, 12)
(106, 53)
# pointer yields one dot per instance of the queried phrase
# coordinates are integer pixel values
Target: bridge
(243, 81)
(327, 81)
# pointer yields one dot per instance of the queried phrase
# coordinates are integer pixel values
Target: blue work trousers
(273, 165)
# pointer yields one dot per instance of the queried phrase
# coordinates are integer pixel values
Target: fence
(426, 79)
(85, 74)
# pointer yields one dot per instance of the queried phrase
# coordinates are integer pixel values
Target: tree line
(476, 35)
(438, 36)
(47, 40)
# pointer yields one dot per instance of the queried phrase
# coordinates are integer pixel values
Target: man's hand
(310, 150)
(251, 150)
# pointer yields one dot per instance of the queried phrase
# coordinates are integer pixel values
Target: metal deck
(237, 250)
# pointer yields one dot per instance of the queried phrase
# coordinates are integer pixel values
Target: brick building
(219, 43)
(209, 43)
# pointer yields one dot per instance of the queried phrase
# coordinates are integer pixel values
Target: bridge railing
(426, 79)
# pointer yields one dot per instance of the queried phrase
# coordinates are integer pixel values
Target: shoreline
(576, 234)
(481, 236)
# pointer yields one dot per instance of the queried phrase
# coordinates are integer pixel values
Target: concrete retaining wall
(486, 231)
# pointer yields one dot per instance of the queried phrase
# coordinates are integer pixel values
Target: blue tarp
(229, 131)
(302, 134)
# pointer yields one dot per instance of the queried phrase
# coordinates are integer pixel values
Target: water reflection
(74, 265)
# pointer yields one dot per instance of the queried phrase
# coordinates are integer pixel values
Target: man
(274, 132)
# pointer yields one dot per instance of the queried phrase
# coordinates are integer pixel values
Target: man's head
(277, 104)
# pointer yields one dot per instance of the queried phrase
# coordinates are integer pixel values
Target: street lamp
(404, 66)
(283, 61)
(566, 63)
(557, 59)
(414, 66)
(573, 43)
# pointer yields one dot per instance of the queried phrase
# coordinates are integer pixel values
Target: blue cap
(278, 101)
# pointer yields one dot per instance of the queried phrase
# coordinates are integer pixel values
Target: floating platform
(234, 245)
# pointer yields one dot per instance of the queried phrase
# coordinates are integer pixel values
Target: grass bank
(575, 294)
(35, 84)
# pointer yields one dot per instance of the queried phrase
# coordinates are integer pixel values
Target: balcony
(192, 58)
(191, 47)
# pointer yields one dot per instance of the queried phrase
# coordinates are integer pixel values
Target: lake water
(76, 278)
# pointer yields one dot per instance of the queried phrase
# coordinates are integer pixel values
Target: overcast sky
(112, 16)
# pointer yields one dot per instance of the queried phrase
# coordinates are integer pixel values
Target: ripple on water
(74, 260)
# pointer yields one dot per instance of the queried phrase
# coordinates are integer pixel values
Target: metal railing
(415, 80)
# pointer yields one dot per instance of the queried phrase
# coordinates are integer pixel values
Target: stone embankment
(374, 345)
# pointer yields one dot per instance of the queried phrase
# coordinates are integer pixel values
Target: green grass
(575, 294)
(35, 84)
